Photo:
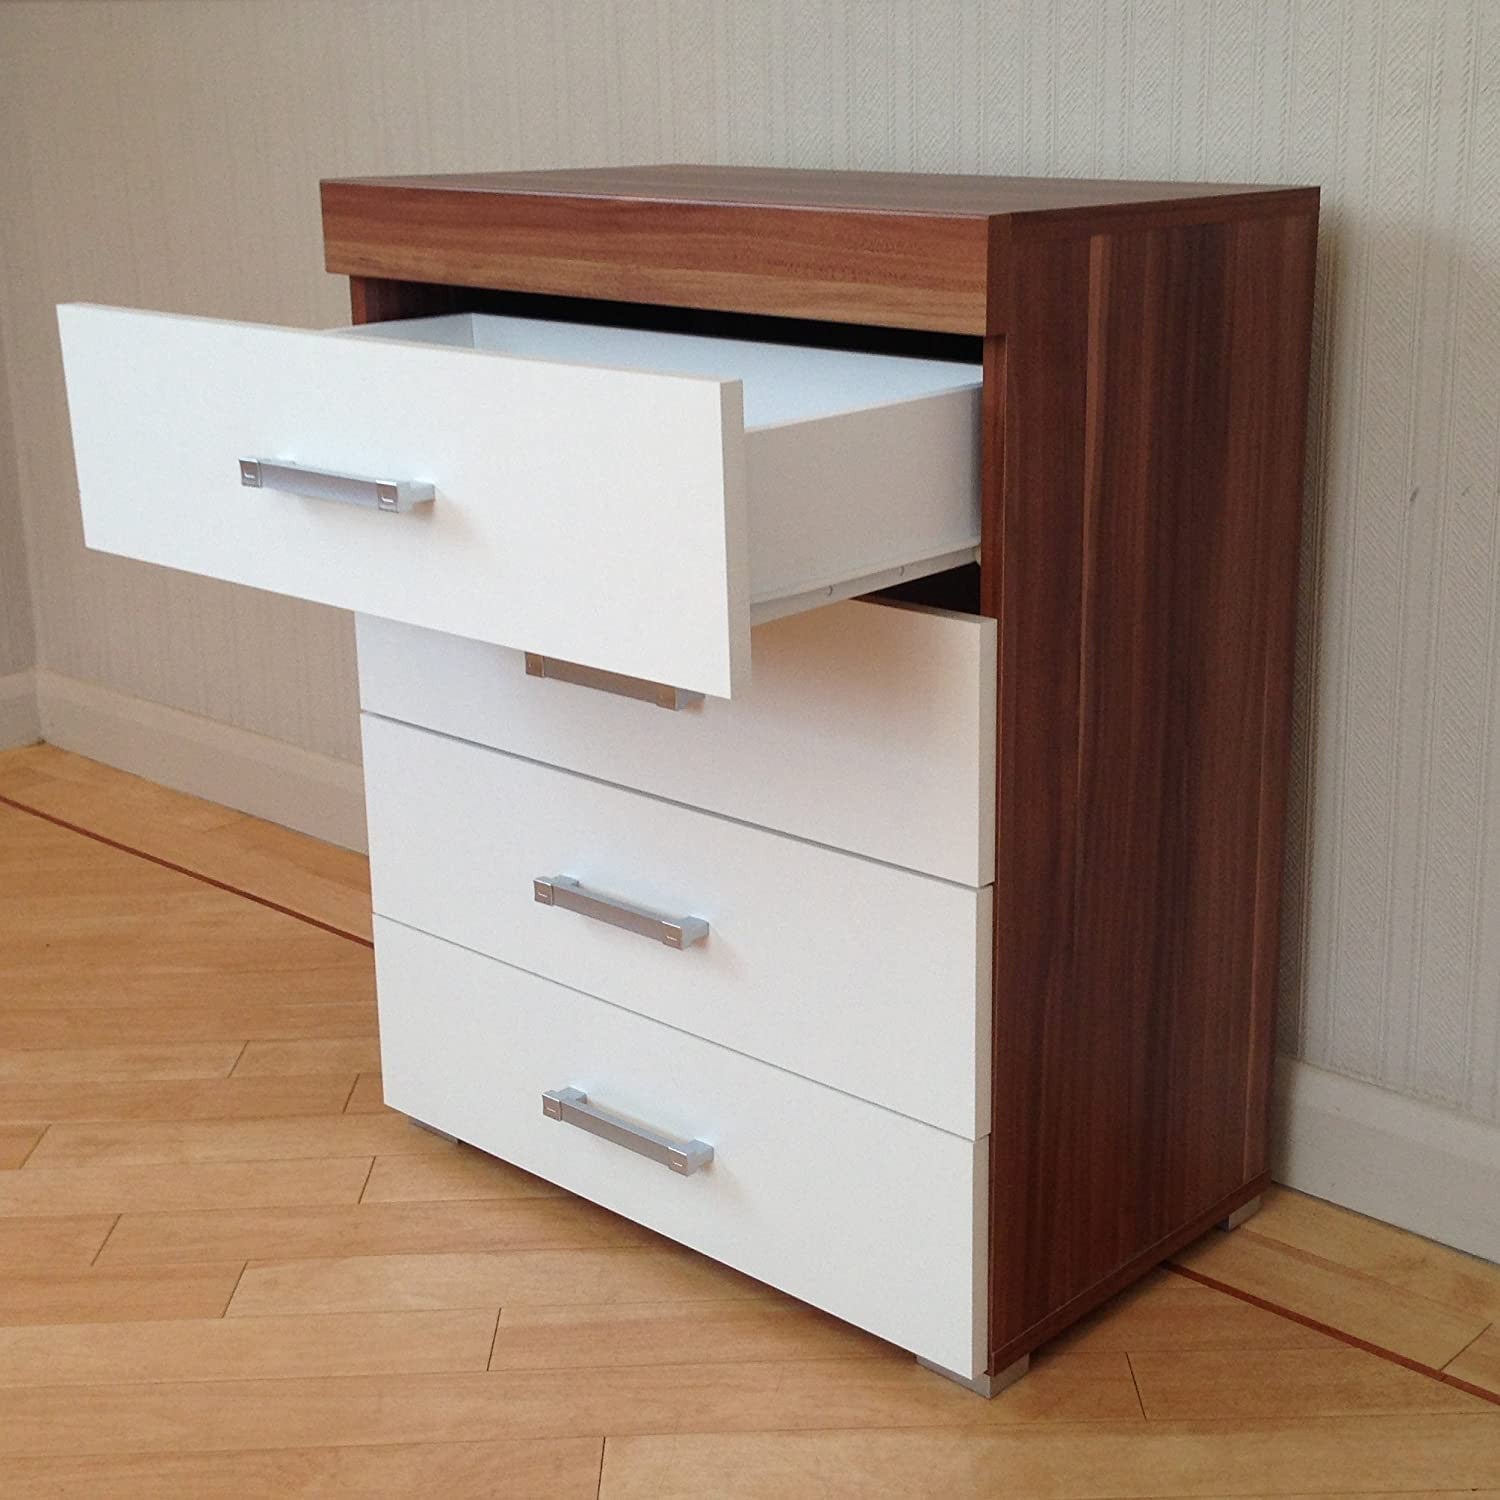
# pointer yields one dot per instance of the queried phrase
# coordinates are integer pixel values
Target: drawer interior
(782, 382)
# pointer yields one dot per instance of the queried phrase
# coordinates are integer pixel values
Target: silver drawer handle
(572, 1107)
(322, 484)
(662, 694)
(675, 932)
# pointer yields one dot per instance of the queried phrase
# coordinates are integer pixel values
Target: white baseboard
(1393, 1158)
(312, 793)
(19, 724)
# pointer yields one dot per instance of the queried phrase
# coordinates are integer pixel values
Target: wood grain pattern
(280, 1059)
(321, 881)
(1479, 1364)
(218, 1348)
(180, 1185)
(459, 1172)
(163, 1141)
(529, 1469)
(746, 240)
(1368, 1250)
(1139, 553)
(268, 1017)
(57, 1242)
(1334, 1381)
(1166, 1312)
(1100, 1461)
(587, 1336)
(204, 1416)
(367, 1095)
(231, 1231)
(34, 1067)
(76, 1102)
(788, 263)
(1417, 1327)
(124, 1294)
(17, 1142)
(942, 195)
(569, 1276)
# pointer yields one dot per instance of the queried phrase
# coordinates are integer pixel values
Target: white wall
(167, 154)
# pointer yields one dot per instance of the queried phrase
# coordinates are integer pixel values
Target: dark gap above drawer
(376, 300)
(955, 588)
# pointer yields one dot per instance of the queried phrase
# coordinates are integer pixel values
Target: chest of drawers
(825, 651)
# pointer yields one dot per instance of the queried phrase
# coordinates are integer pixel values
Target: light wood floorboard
(512, 1278)
(165, 1142)
(284, 1059)
(450, 1173)
(1479, 1364)
(367, 1096)
(247, 1348)
(524, 1469)
(1426, 1331)
(260, 1232)
(17, 1142)
(1085, 1462)
(265, 1098)
(226, 1270)
(126, 1294)
(65, 1241)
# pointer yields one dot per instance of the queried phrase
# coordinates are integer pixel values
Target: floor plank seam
(1140, 1400)
(1352, 1340)
(1488, 1328)
(234, 1290)
(489, 1363)
(31, 1150)
(94, 1261)
(167, 864)
(365, 1185)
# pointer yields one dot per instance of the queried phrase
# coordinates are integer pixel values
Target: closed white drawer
(863, 976)
(867, 727)
(877, 1218)
(625, 499)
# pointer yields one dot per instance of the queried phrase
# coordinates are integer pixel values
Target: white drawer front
(591, 510)
(866, 977)
(874, 1217)
(866, 727)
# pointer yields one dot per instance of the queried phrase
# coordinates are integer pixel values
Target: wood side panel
(891, 270)
(1143, 571)
(374, 300)
(1277, 275)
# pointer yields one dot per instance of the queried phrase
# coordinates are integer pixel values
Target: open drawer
(628, 500)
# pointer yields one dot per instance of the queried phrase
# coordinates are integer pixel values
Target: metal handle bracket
(323, 484)
(675, 932)
(662, 694)
(572, 1107)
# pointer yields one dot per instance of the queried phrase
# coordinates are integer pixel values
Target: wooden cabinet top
(898, 249)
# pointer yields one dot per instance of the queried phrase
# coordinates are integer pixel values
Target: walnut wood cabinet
(825, 647)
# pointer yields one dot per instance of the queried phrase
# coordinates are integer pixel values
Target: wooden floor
(227, 1271)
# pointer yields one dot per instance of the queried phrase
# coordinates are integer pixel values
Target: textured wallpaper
(17, 634)
(167, 155)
